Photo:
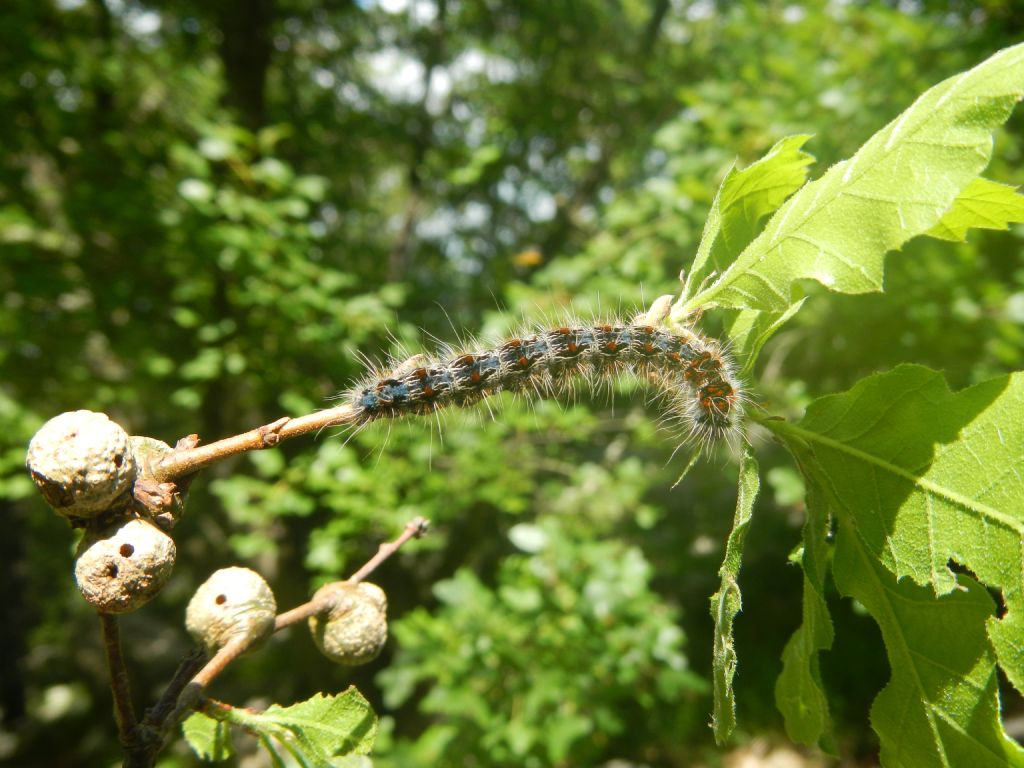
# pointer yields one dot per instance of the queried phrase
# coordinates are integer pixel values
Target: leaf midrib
(918, 481)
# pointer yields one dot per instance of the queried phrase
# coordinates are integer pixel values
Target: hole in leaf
(956, 567)
(1011, 699)
(997, 595)
(111, 570)
(994, 593)
(118, 458)
(126, 550)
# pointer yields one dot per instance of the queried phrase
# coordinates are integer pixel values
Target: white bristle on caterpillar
(692, 371)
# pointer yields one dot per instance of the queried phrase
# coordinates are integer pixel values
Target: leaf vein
(923, 483)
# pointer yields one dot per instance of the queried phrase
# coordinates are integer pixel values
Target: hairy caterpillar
(691, 370)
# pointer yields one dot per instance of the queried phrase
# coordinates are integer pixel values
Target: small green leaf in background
(983, 204)
(836, 230)
(210, 739)
(917, 477)
(481, 159)
(727, 602)
(316, 731)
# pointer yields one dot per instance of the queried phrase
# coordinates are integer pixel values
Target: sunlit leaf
(210, 739)
(744, 198)
(920, 477)
(836, 230)
(727, 602)
(317, 730)
(983, 204)
(941, 706)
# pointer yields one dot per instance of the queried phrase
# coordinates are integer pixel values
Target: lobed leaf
(919, 477)
(941, 706)
(983, 204)
(837, 229)
(743, 199)
(727, 601)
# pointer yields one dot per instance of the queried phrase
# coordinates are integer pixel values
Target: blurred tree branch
(246, 49)
(421, 142)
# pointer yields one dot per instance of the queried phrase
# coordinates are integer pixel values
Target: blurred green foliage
(570, 638)
(210, 212)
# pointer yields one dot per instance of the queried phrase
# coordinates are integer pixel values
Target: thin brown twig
(135, 753)
(155, 727)
(224, 656)
(185, 461)
(299, 613)
(124, 712)
(193, 691)
(414, 529)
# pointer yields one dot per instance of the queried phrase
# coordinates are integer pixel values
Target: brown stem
(192, 693)
(135, 753)
(124, 712)
(414, 529)
(185, 461)
(299, 613)
(190, 665)
(231, 651)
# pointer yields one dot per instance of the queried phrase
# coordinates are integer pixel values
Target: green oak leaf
(743, 199)
(917, 477)
(983, 204)
(941, 706)
(210, 739)
(799, 691)
(837, 229)
(727, 601)
(316, 732)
